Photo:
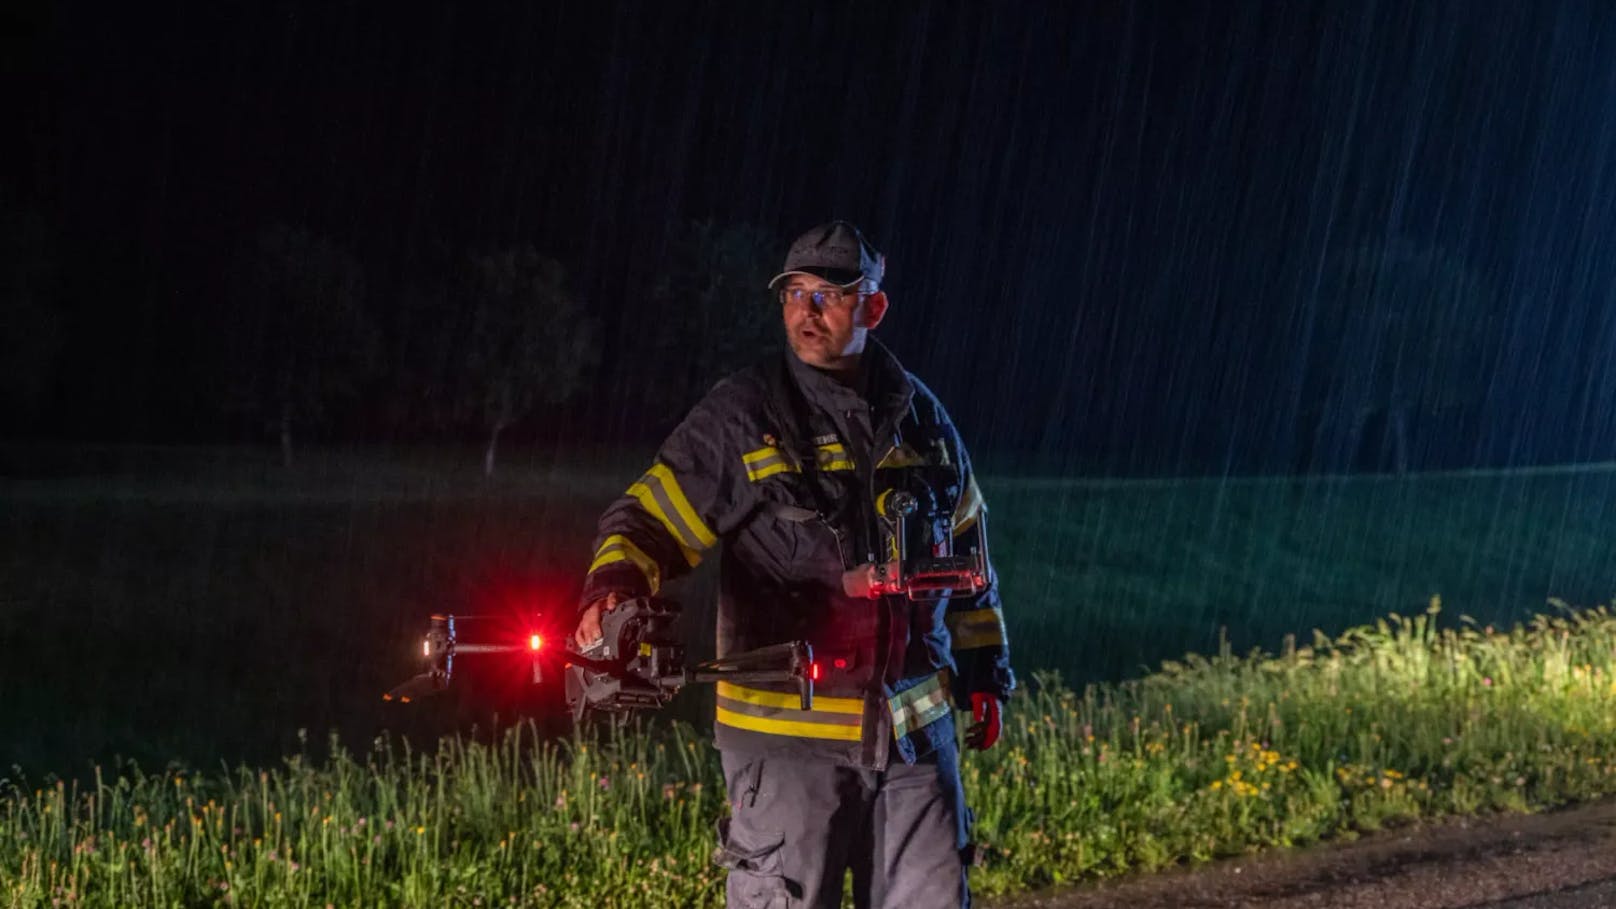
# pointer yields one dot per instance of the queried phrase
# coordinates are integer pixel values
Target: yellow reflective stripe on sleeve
(807, 730)
(704, 537)
(786, 700)
(766, 462)
(618, 548)
(969, 507)
(975, 628)
(833, 457)
(918, 707)
(659, 494)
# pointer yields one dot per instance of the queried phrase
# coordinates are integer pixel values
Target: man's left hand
(984, 731)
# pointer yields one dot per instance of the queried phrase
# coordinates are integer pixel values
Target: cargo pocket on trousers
(756, 872)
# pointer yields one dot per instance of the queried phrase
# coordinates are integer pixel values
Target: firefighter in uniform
(794, 465)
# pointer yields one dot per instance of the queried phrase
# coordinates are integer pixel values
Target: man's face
(829, 334)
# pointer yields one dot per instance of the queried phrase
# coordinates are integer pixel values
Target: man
(794, 465)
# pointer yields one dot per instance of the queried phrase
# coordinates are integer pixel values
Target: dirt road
(1561, 860)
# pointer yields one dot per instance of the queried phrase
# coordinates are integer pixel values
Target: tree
(296, 341)
(530, 341)
(1401, 336)
(715, 311)
(423, 362)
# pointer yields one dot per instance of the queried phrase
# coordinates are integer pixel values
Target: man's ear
(875, 309)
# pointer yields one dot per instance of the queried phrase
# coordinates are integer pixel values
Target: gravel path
(1561, 860)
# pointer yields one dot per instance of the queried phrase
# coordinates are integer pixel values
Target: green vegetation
(1105, 579)
(200, 605)
(1210, 756)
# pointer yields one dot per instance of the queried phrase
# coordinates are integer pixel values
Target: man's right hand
(587, 635)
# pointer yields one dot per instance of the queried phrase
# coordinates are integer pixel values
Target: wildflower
(1487, 681)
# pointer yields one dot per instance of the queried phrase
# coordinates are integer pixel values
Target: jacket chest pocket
(800, 543)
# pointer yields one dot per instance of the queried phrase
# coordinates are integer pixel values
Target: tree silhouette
(530, 341)
(715, 312)
(296, 342)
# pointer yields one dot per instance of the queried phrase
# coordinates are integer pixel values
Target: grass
(1210, 756)
(200, 606)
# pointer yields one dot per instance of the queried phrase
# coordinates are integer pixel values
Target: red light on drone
(534, 642)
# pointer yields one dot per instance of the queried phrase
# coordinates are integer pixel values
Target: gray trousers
(796, 827)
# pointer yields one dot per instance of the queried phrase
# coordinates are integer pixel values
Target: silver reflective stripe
(918, 707)
(675, 519)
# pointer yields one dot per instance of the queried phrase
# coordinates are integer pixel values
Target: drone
(439, 649)
(638, 663)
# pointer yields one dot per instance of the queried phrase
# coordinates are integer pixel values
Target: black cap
(836, 252)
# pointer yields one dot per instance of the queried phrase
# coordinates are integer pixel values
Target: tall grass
(1208, 757)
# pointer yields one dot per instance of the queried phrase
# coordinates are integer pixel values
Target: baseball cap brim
(839, 276)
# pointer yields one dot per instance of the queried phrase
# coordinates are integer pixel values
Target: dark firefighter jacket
(784, 465)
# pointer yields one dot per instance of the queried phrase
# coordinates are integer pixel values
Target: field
(201, 607)
(204, 605)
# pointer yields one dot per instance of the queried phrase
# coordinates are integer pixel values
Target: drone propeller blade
(427, 683)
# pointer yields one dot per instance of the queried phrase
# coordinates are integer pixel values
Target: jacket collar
(882, 382)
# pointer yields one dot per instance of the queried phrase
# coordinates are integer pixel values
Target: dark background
(1117, 232)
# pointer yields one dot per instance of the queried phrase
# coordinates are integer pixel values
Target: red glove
(985, 730)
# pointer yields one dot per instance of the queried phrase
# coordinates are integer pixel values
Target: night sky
(1120, 236)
